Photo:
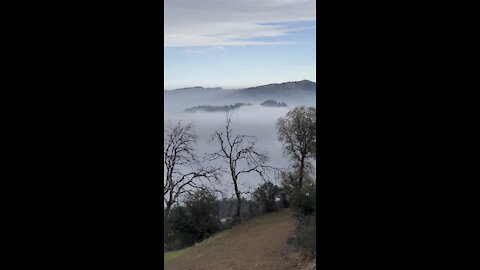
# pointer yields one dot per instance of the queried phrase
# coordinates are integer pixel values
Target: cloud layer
(190, 23)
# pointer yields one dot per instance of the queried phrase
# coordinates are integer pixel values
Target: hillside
(281, 91)
(225, 108)
(261, 243)
(295, 93)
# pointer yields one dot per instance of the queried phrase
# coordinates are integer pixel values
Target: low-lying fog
(254, 120)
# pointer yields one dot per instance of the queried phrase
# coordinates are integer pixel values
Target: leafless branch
(240, 153)
(184, 170)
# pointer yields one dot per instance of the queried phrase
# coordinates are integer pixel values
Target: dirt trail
(260, 243)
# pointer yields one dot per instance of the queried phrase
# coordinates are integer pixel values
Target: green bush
(177, 230)
(254, 208)
(201, 207)
(191, 223)
(307, 234)
(265, 195)
(304, 200)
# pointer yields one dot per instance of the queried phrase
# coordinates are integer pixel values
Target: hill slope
(295, 93)
(261, 243)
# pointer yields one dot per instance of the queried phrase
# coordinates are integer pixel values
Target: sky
(237, 44)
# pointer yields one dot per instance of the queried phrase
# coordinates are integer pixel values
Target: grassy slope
(178, 253)
(261, 220)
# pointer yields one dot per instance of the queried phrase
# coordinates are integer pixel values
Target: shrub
(201, 207)
(304, 200)
(283, 195)
(306, 234)
(191, 223)
(177, 230)
(254, 208)
(266, 195)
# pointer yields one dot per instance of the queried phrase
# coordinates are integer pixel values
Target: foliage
(201, 207)
(273, 103)
(177, 233)
(193, 222)
(307, 233)
(225, 108)
(304, 200)
(266, 195)
(283, 198)
(289, 181)
(254, 209)
(298, 133)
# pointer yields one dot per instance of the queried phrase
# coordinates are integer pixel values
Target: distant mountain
(196, 89)
(286, 87)
(295, 93)
(273, 103)
(225, 108)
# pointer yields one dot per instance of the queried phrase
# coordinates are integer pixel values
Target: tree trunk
(238, 207)
(300, 180)
(167, 212)
(170, 195)
(237, 215)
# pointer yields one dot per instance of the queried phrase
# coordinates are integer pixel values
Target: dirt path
(260, 243)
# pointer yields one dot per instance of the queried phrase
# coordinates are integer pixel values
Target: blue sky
(234, 44)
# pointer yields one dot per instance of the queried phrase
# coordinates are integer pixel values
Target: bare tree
(184, 170)
(297, 131)
(241, 155)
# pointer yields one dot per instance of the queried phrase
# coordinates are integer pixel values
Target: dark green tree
(297, 131)
(192, 222)
(266, 195)
(202, 207)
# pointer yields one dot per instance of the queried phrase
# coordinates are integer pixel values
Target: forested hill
(295, 93)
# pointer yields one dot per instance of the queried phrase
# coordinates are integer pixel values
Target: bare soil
(261, 243)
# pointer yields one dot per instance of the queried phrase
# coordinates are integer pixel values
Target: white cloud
(204, 50)
(191, 23)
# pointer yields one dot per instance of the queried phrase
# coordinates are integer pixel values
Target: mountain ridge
(282, 84)
(295, 93)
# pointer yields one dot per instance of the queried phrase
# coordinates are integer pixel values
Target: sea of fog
(254, 120)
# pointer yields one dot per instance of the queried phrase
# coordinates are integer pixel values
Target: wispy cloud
(191, 23)
(205, 50)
